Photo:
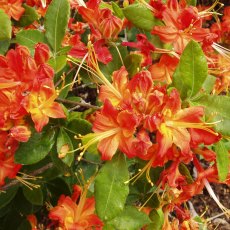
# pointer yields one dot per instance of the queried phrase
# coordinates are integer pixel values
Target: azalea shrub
(113, 114)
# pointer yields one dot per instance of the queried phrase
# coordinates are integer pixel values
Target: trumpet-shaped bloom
(182, 23)
(13, 8)
(71, 215)
(111, 131)
(8, 168)
(40, 104)
(101, 20)
(173, 128)
(164, 69)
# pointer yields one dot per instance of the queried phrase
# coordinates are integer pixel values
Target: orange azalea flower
(13, 8)
(40, 104)
(101, 19)
(164, 69)
(182, 23)
(173, 124)
(80, 216)
(8, 168)
(118, 93)
(33, 221)
(20, 133)
(112, 131)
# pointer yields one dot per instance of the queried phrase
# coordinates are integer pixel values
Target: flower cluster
(144, 87)
(26, 89)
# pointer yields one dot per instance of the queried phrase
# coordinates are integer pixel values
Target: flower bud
(41, 54)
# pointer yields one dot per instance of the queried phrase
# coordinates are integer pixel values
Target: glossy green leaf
(22, 205)
(12, 220)
(185, 172)
(56, 20)
(29, 38)
(6, 197)
(117, 10)
(191, 71)
(5, 28)
(58, 63)
(208, 84)
(157, 218)
(215, 103)
(25, 225)
(110, 188)
(34, 196)
(191, 2)
(4, 45)
(37, 148)
(222, 160)
(130, 219)
(141, 16)
(116, 63)
(79, 126)
(223, 127)
(30, 15)
(133, 63)
(65, 147)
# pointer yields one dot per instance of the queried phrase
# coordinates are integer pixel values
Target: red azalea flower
(8, 168)
(40, 104)
(13, 8)
(112, 131)
(71, 215)
(182, 23)
(164, 69)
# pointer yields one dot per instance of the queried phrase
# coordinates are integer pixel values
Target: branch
(87, 105)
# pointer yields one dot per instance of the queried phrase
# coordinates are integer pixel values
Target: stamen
(221, 50)
(146, 169)
(95, 138)
(209, 11)
(203, 126)
(28, 184)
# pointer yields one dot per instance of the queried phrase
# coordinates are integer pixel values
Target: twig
(87, 105)
(34, 173)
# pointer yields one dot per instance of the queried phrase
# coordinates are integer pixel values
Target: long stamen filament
(141, 172)
(97, 137)
(203, 126)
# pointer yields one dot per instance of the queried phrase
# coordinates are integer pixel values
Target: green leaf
(36, 148)
(56, 20)
(117, 10)
(116, 63)
(4, 45)
(58, 63)
(191, 2)
(65, 147)
(5, 28)
(29, 38)
(209, 84)
(30, 15)
(185, 172)
(157, 217)
(133, 63)
(222, 160)
(191, 71)
(223, 127)
(34, 196)
(215, 103)
(6, 197)
(130, 219)
(110, 188)
(79, 126)
(141, 17)
(22, 205)
(25, 225)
